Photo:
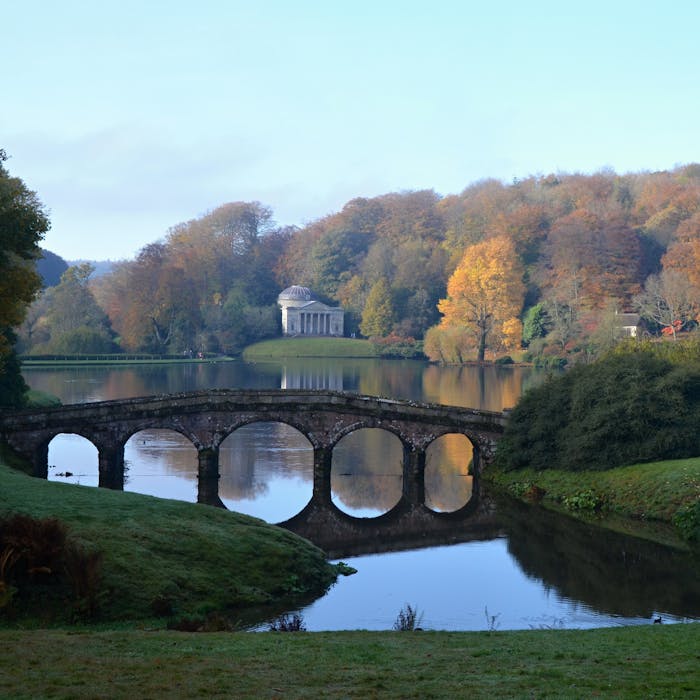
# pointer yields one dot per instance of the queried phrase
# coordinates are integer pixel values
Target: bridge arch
(81, 467)
(285, 484)
(449, 475)
(207, 417)
(367, 467)
(153, 451)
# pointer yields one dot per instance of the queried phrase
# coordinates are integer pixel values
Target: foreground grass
(161, 553)
(309, 347)
(657, 661)
(638, 494)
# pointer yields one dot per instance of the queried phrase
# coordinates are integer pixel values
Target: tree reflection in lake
(616, 574)
(367, 472)
(266, 470)
(448, 483)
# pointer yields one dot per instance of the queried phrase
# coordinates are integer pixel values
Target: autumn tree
(485, 292)
(23, 224)
(378, 314)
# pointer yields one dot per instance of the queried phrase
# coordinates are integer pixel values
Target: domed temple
(303, 314)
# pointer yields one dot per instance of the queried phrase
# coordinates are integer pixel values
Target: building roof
(296, 293)
(627, 319)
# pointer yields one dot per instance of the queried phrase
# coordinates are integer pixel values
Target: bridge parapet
(206, 418)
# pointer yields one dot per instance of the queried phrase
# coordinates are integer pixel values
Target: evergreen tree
(378, 314)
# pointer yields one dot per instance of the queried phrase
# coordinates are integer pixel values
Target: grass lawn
(654, 661)
(309, 347)
(158, 552)
(208, 559)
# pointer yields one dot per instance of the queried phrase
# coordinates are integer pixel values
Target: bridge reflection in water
(323, 417)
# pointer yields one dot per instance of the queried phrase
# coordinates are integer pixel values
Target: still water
(540, 570)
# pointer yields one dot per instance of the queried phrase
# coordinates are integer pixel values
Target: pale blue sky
(128, 117)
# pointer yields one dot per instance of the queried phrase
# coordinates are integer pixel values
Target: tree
(378, 314)
(667, 299)
(534, 324)
(75, 321)
(23, 224)
(485, 291)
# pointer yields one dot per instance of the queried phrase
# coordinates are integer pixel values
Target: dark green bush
(637, 404)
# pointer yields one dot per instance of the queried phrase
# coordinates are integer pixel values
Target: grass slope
(656, 661)
(650, 492)
(201, 558)
(309, 347)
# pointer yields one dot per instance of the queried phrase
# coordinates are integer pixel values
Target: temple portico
(302, 314)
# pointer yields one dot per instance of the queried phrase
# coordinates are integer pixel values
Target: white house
(303, 314)
(628, 324)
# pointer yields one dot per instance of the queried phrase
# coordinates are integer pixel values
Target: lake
(540, 570)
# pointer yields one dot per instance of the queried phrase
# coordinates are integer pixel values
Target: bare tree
(667, 299)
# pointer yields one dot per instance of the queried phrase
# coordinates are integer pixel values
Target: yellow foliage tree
(485, 292)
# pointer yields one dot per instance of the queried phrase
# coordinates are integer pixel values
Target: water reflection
(544, 572)
(325, 374)
(367, 472)
(547, 572)
(491, 388)
(266, 471)
(448, 483)
(161, 463)
(610, 572)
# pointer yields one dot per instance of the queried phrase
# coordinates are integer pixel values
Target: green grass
(201, 558)
(41, 399)
(207, 558)
(309, 347)
(78, 361)
(655, 661)
(629, 496)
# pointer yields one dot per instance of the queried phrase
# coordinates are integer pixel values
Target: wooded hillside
(543, 263)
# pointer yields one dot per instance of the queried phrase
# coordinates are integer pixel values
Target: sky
(129, 117)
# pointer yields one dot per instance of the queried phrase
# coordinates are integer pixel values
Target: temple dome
(296, 293)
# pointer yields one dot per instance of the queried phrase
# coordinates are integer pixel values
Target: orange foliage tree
(485, 293)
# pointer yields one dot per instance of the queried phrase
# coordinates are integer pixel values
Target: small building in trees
(628, 324)
(303, 314)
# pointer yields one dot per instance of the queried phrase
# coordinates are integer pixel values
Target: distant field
(310, 347)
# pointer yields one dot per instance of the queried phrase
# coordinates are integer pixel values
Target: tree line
(542, 265)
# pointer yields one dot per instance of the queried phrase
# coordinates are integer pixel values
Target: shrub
(634, 406)
(687, 521)
(408, 619)
(587, 501)
(37, 552)
(288, 623)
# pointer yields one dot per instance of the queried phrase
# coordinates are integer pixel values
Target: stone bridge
(206, 418)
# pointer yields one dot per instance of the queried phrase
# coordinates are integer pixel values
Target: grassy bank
(280, 348)
(656, 500)
(162, 557)
(656, 661)
(107, 360)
